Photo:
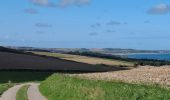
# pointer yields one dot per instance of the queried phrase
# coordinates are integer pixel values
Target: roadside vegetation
(4, 87)
(88, 59)
(65, 87)
(22, 93)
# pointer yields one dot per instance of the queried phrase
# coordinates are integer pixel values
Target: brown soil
(17, 61)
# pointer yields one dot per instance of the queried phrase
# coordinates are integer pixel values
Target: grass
(61, 87)
(88, 60)
(4, 87)
(22, 93)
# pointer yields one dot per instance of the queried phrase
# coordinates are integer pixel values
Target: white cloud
(96, 25)
(159, 9)
(110, 31)
(61, 3)
(112, 23)
(93, 33)
(65, 3)
(43, 25)
(42, 2)
(31, 11)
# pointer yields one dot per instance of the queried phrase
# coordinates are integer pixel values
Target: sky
(135, 24)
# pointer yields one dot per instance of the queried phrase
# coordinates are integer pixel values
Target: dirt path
(11, 93)
(33, 92)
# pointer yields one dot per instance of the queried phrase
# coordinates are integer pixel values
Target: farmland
(88, 60)
(97, 78)
(14, 61)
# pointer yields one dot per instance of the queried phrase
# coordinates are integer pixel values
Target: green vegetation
(22, 93)
(4, 87)
(72, 88)
(22, 76)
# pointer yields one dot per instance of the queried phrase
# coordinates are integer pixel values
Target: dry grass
(143, 74)
(88, 60)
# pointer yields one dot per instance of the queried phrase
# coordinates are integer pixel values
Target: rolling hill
(11, 59)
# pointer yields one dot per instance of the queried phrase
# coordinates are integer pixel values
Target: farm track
(33, 92)
(11, 93)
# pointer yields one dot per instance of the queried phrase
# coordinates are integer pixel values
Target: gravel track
(11, 93)
(33, 92)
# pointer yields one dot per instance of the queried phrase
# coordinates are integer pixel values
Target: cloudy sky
(138, 24)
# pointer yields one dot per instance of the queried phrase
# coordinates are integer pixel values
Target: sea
(165, 57)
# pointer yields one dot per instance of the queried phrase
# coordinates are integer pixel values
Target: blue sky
(137, 24)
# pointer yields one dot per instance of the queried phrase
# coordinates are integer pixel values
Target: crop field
(16, 67)
(14, 61)
(88, 60)
(109, 81)
(142, 74)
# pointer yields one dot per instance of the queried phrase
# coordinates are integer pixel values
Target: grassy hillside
(71, 88)
(88, 60)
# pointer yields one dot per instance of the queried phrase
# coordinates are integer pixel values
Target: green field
(22, 93)
(72, 88)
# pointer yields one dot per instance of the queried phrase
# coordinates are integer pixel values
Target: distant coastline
(155, 56)
(136, 53)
